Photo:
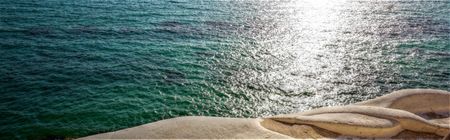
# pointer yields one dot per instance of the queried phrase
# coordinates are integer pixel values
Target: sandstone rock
(405, 114)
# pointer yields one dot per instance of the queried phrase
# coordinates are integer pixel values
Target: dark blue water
(74, 68)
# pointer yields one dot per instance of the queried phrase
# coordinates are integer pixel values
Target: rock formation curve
(412, 113)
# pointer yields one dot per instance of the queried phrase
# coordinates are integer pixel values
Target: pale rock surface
(195, 128)
(405, 114)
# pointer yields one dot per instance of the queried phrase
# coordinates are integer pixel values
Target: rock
(195, 128)
(404, 114)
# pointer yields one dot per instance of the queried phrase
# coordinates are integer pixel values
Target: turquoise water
(74, 68)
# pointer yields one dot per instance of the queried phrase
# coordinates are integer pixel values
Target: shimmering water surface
(74, 68)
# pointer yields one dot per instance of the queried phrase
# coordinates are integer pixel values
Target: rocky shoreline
(404, 114)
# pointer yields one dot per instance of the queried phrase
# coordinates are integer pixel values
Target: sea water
(74, 68)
